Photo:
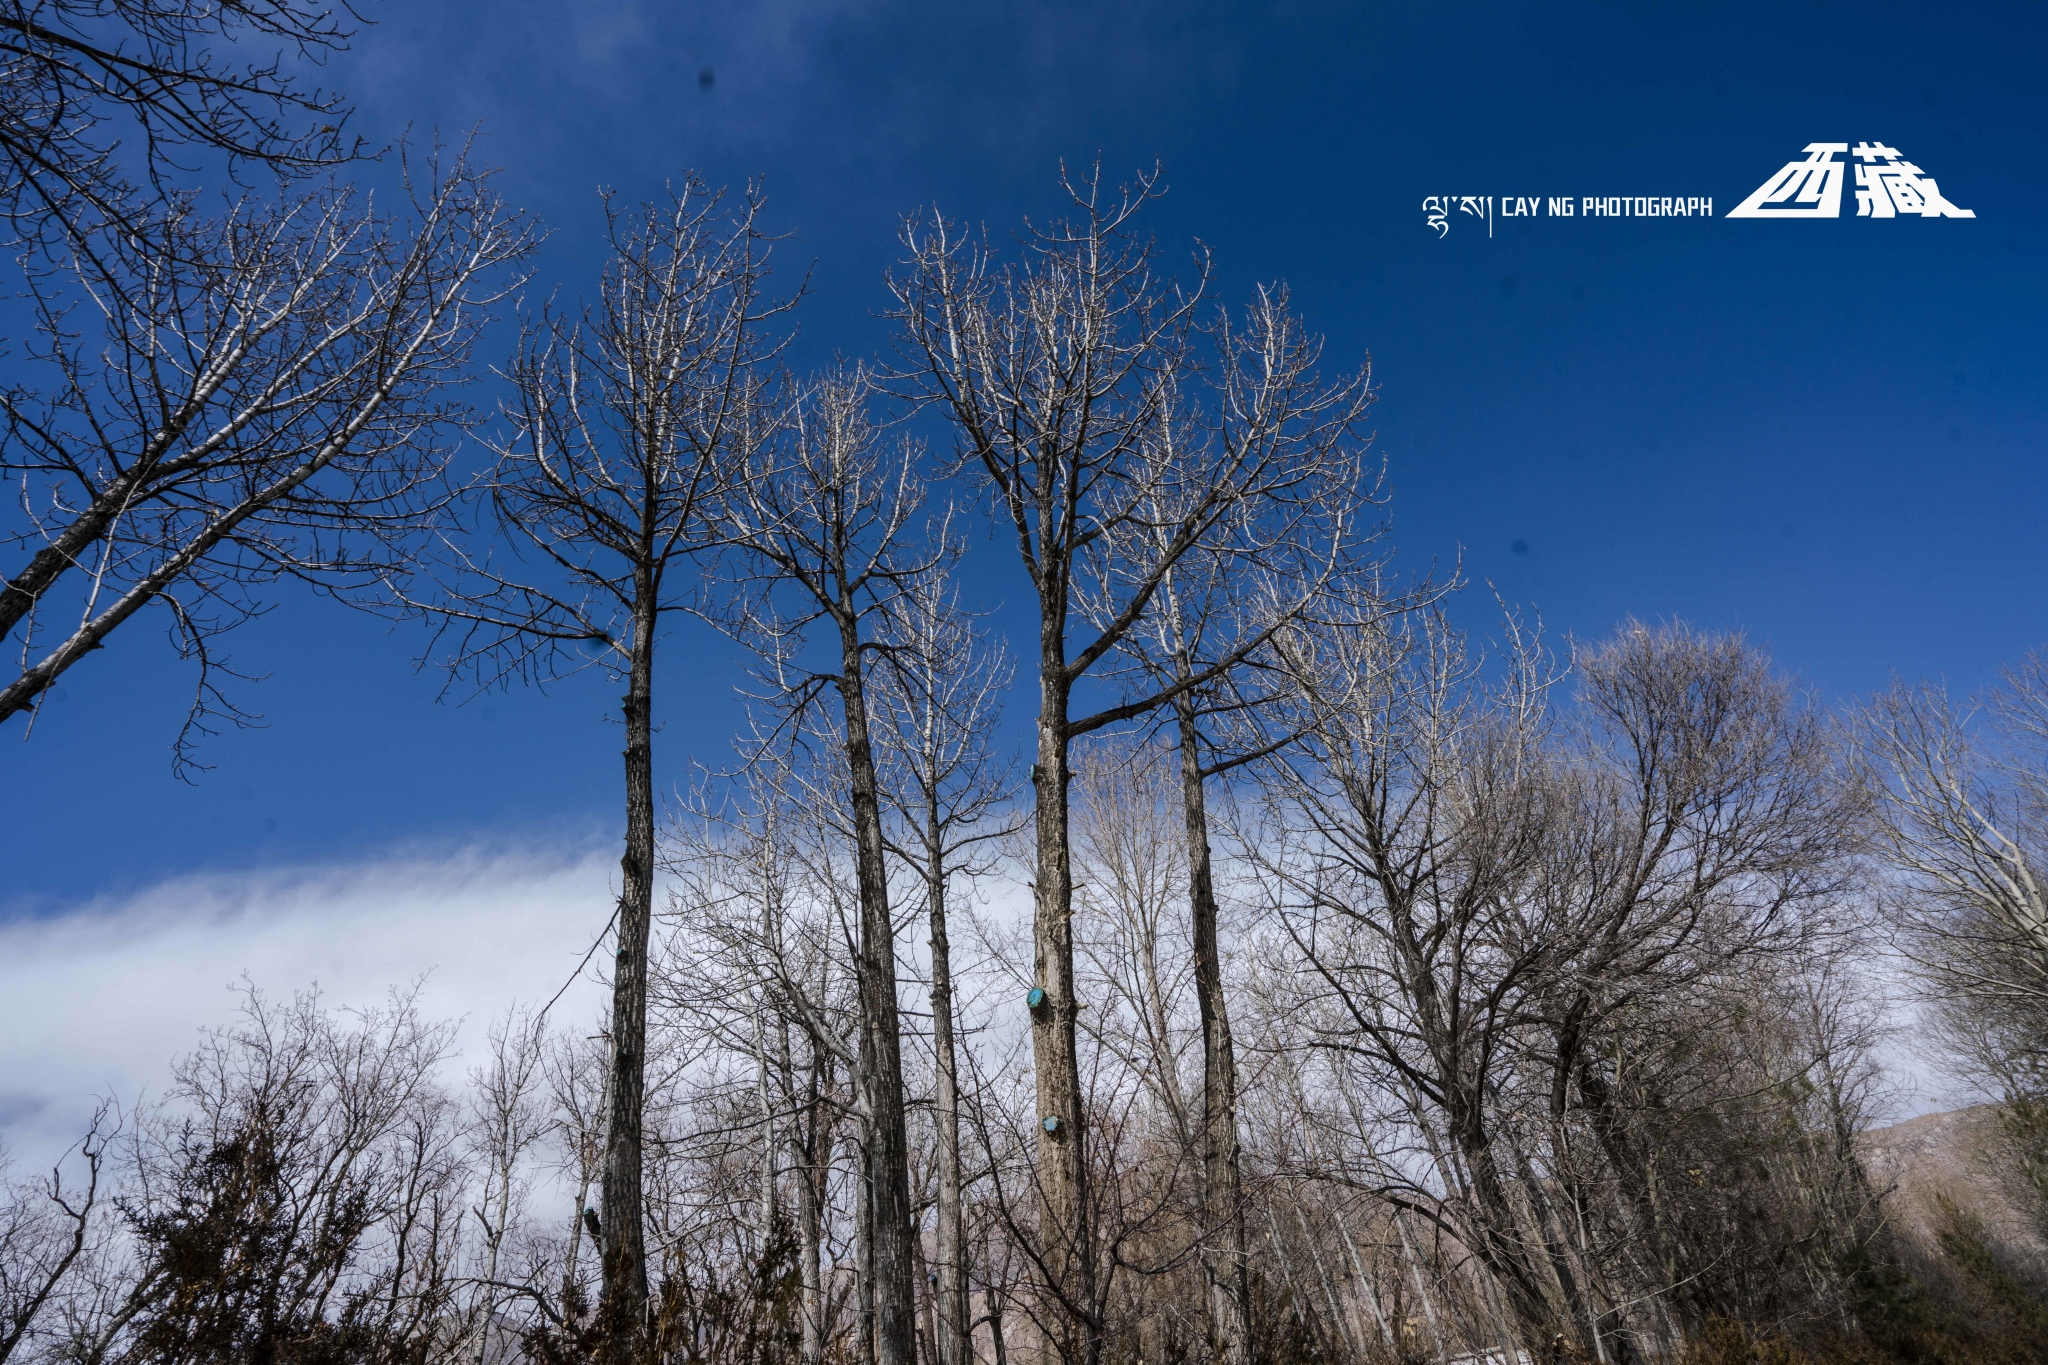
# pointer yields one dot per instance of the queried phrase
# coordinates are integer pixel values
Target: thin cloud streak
(102, 998)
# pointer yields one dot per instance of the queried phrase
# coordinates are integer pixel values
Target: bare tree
(622, 419)
(1287, 552)
(1494, 901)
(76, 75)
(1962, 823)
(298, 1197)
(1131, 862)
(228, 401)
(45, 1229)
(1705, 828)
(1055, 376)
(578, 1075)
(829, 517)
(765, 916)
(507, 1121)
(1965, 820)
(940, 701)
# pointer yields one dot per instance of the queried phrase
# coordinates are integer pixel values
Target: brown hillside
(1958, 1156)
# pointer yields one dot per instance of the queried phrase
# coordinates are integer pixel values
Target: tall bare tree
(830, 516)
(622, 420)
(940, 700)
(765, 914)
(1487, 892)
(1056, 375)
(218, 403)
(1289, 553)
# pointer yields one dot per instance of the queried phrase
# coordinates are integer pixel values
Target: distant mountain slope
(1956, 1156)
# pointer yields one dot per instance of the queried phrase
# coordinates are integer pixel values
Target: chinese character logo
(1886, 187)
(1804, 189)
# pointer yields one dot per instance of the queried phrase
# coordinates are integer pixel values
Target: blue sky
(1829, 434)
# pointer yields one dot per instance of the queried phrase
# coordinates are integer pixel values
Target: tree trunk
(953, 1342)
(494, 1239)
(769, 1210)
(575, 1250)
(881, 1041)
(998, 1345)
(1501, 1241)
(1224, 1255)
(863, 1243)
(1066, 1244)
(1436, 1330)
(809, 1142)
(1372, 1295)
(623, 1312)
(1573, 1284)
(1340, 1321)
(590, 1155)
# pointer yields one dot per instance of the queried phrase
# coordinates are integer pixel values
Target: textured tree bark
(863, 1245)
(622, 1312)
(1067, 1241)
(19, 595)
(1580, 1311)
(1502, 1244)
(1224, 1255)
(808, 1143)
(893, 1241)
(999, 1347)
(811, 1348)
(953, 1341)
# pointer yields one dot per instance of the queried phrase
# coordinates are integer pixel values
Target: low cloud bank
(101, 998)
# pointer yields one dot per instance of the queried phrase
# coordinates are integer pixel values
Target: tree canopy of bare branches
(1962, 831)
(1067, 380)
(1494, 898)
(1965, 819)
(625, 419)
(100, 92)
(829, 515)
(215, 403)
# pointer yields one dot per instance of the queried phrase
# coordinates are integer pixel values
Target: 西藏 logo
(1887, 186)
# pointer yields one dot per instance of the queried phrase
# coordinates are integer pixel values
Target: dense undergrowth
(1968, 1304)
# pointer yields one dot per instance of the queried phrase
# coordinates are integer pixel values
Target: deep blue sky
(1828, 434)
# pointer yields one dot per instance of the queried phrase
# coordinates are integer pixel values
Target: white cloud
(101, 998)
